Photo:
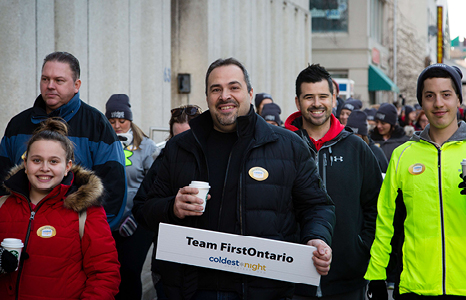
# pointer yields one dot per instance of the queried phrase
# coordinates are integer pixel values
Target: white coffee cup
(14, 246)
(463, 167)
(203, 188)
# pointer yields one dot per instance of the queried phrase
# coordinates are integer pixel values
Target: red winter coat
(63, 266)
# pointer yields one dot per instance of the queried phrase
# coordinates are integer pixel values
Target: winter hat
(357, 121)
(417, 106)
(387, 113)
(408, 109)
(370, 112)
(260, 97)
(271, 112)
(352, 104)
(118, 106)
(453, 71)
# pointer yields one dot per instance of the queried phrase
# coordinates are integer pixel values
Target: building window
(338, 73)
(329, 15)
(377, 20)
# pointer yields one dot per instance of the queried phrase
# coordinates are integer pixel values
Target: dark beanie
(357, 121)
(260, 97)
(387, 113)
(408, 109)
(370, 112)
(453, 71)
(118, 107)
(271, 112)
(352, 104)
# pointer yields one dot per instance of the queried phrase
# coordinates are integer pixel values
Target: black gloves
(462, 185)
(377, 290)
(8, 262)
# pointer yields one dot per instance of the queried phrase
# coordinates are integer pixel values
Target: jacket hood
(81, 188)
(459, 135)
(294, 122)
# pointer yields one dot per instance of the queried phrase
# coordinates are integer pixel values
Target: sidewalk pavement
(148, 291)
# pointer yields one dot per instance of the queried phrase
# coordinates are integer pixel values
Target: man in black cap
(262, 99)
(421, 200)
(97, 147)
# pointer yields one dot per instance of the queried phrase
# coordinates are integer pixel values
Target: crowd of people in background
(377, 190)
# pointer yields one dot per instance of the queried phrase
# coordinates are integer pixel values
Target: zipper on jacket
(26, 242)
(442, 220)
(223, 189)
(324, 169)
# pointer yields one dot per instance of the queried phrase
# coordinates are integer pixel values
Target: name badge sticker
(258, 173)
(46, 232)
(416, 169)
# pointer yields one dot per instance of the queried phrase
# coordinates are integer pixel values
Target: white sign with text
(235, 253)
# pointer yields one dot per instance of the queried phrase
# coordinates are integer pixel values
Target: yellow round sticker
(417, 169)
(46, 232)
(258, 173)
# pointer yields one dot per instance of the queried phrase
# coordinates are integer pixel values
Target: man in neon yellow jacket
(420, 202)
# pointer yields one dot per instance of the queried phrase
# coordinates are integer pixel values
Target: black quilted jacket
(290, 205)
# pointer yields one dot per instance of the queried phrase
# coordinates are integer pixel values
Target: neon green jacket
(434, 248)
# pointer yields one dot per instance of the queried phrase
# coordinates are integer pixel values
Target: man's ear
(251, 93)
(77, 85)
(296, 101)
(334, 101)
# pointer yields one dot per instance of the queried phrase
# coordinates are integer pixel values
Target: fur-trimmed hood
(81, 187)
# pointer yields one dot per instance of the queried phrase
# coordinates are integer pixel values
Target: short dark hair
(65, 57)
(312, 74)
(226, 62)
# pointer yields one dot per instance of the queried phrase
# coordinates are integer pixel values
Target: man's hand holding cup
(191, 200)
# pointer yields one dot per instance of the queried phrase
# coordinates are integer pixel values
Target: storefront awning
(378, 81)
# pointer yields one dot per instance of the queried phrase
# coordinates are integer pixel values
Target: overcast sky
(456, 13)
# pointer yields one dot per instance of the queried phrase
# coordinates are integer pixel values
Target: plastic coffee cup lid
(199, 184)
(12, 243)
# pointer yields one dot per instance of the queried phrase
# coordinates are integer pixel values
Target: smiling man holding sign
(264, 183)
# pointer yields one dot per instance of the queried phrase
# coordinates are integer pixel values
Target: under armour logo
(337, 158)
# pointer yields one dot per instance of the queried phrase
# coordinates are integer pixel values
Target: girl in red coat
(47, 196)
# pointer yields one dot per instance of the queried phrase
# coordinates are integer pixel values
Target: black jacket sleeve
(372, 181)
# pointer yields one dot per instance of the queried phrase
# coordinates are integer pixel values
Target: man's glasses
(190, 110)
